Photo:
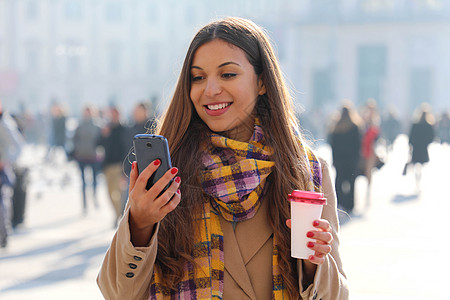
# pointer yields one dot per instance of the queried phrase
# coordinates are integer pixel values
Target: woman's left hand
(323, 240)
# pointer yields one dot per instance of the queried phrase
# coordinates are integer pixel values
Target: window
(152, 58)
(420, 87)
(31, 10)
(73, 64)
(371, 72)
(73, 10)
(114, 12)
(190, 15)
(152, 13)
(422, 50)
(32, 58)
(114, 58)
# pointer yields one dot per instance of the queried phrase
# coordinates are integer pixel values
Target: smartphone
(147, 148)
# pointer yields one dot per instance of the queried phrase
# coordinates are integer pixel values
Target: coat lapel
(241, 244)
(253, 233)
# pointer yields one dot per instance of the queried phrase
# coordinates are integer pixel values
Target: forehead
(218, 50)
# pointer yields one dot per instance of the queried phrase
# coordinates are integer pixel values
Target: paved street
(393, 248)
(397, 248)
(58, 252)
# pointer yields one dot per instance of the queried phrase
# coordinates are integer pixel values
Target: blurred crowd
(99, 141)
(355, 135)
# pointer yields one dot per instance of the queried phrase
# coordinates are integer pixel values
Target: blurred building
(103, 51)
(393, 51)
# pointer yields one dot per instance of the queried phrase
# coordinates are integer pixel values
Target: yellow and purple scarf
(233, 180)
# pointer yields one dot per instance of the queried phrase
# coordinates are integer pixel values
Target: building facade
(123, 51)
(392, 51)
(102, 52)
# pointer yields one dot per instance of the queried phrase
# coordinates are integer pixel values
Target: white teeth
(218, 106)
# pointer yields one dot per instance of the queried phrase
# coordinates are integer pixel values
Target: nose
(212, 88)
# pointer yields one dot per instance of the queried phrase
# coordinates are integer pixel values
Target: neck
(241, 133)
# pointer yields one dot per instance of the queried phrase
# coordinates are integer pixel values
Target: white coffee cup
(306, 207)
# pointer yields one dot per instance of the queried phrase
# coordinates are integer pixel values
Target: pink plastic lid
(307, 197)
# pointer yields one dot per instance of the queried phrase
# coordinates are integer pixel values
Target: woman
(85, 142)
(345, 142)
(421, 135)
(369, 138)
(221, 229)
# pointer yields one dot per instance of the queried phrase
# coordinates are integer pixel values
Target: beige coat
(126, 270)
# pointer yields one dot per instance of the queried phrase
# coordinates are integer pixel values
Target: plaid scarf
(233, 180)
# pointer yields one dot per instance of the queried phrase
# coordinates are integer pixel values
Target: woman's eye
(197, 78)
(229, 75)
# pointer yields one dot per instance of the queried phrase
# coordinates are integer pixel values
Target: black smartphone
(147, 148)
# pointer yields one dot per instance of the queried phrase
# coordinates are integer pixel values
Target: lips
(217, 109)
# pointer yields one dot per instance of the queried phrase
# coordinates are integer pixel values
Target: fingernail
(132, 165)
(174, 171)
(316, 223)
(178, 179)
(178, 191)
(310, 244)
(310, 234)
(157, 162)
(311, 257)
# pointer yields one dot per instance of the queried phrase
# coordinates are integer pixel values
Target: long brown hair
(185, 132)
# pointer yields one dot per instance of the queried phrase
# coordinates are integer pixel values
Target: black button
(137, 258)
(132, 266)
(130, 274)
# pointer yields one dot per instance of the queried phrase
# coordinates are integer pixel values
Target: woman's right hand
(146, 208)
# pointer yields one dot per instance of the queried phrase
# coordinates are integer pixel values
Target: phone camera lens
(149, 145)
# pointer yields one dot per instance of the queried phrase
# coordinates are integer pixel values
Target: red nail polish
(311, 257)
(310, 234)
(178, 191)
(157, 162)
(316, 223)
(132, 165)
(310, 244)
(178, 179)
(174, 171)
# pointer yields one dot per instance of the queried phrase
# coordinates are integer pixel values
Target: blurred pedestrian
(390, 128)
(85, 152)
(369, 158)
(11, 144)
(443, 128)
(421, 135)
(58, 132)
(345, 142)
(141, 123)
(113, 140)
(6, 184)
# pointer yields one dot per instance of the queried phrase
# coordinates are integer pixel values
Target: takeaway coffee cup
(306, 207)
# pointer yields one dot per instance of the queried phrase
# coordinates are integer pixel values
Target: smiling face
(225, 88)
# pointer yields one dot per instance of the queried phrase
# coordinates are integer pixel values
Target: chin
(219, 130)
(217, 126)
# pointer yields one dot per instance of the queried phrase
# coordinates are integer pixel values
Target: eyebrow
(220, 66)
